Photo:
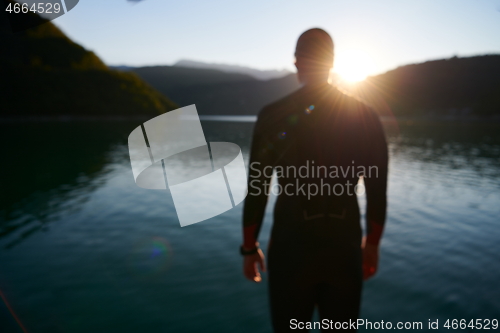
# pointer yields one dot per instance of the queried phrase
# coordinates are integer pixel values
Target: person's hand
(370, 260)
(250, 263)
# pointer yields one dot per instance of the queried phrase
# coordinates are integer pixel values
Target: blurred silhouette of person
(319, 142)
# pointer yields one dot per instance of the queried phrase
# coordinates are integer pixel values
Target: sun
(353, 65)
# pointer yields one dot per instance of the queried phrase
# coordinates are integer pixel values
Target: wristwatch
(244, 252)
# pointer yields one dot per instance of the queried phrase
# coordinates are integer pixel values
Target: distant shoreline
(239, 118)
(68, 118)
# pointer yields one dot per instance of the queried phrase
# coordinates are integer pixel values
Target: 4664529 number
(478, 324)
(40, 8)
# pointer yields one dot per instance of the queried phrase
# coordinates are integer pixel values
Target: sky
(380, 34)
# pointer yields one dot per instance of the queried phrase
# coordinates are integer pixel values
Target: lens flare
(150, 257)
(309, 109)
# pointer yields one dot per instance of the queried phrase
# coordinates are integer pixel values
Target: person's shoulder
(354, 106)
(282, 105)
(278, 110)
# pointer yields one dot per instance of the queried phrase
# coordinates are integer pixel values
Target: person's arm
(376, 194)
(259, 178)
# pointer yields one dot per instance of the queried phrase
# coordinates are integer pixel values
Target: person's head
(314, 56)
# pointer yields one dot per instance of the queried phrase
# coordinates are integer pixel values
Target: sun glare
(353, 65)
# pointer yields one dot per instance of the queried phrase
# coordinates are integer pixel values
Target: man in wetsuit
(319, 142)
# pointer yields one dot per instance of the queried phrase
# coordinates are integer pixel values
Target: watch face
(248, 252)
(24, 14)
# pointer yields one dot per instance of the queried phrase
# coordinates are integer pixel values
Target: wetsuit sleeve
(376, 180)
(259, 178)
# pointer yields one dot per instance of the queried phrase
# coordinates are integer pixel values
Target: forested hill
(42, 72)
(452, 87)
(216, 92)
(464, 87)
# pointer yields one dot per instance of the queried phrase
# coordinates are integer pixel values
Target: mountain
(235, 98)
(255, 73)
(42, 72)
(166, 78)
(215, 92)
(448, 87)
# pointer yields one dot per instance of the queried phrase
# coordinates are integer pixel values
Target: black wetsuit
(314, 255)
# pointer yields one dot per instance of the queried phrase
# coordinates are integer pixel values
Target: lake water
(83, 249)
